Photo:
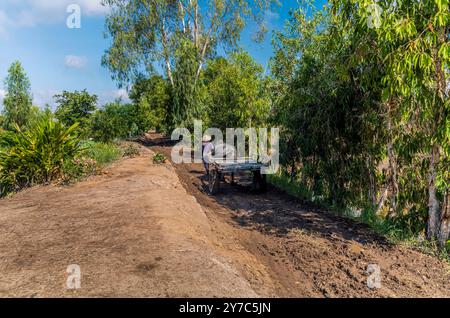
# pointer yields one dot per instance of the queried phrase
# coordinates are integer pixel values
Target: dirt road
(145, 230)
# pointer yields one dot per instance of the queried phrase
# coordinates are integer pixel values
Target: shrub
(79, 168)
(159, 158)
(37, 155)
(130, 150)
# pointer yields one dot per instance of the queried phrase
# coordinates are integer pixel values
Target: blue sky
(57, 58)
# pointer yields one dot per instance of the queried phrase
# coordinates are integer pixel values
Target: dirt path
(134, 232)
(144, 230)
(306, 251)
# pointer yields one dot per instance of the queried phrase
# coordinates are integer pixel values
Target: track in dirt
(306, 251)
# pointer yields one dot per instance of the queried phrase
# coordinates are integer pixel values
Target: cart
(219, 169)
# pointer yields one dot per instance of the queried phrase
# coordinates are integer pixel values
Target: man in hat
(207, 148)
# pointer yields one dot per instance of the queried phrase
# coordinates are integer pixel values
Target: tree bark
(433, 203)
(393, 182)
(166, 55)
(164, 41)
(444, 231)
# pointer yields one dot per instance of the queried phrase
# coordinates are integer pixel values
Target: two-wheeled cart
(219, 169)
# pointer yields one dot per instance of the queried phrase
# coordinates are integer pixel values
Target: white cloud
(2, 97)
(29, 13)
(121, 93)
(75, 61)
(111, 96)
(43, 97)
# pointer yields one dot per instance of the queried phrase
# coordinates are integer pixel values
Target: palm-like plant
(36, 155)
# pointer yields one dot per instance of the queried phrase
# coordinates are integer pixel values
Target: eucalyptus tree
(148, 31)
(328, 120)
(412, 39)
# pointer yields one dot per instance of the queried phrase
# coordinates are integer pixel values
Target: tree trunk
(433, 203)
(393, 183)
(445, 220)
(372, 192)
(434, 226)
(293, 171)
(166, 56)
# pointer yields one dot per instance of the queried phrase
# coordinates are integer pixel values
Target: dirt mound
(133, 231)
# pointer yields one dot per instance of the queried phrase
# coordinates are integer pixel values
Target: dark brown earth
(146, 230)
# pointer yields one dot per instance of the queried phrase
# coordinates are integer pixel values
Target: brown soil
(145, 230)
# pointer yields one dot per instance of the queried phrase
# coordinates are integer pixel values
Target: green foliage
(37, 114)
(152, 98)
(159, 158)
(291, 187)
(79, 168)
(114, 121)
(94, 157)
(130, 150)
(37, 155)
(351, 98)
(102, 153)
(75, 108)
(18, 99)
(237, 92)
(6, 138)
(144, 32)
(330, 135)
(188, 94)
(410, 48)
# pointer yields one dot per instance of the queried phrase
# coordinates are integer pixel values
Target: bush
(79, 168)
(130, 150)
(159, 158)
(37, 155)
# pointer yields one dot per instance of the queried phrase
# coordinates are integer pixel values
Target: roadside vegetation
(363, 108)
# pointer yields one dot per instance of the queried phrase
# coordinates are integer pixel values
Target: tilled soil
(309, 252)
(146, 230)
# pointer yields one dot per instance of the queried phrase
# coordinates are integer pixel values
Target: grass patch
(102, 153)
(292, 188)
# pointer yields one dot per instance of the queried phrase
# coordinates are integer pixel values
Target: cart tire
(214, 182)
(259, 182)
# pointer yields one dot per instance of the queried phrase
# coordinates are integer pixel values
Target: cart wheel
(214, 181)
(259, 182)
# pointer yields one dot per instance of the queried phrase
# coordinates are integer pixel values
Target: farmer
(207, 148)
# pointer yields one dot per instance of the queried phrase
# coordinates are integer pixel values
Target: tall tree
(412, 40)
(238, 92)
(18, 99)
(151, 98)
(148, 31)
(75, 108)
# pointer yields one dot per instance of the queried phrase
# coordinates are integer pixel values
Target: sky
(58, 58)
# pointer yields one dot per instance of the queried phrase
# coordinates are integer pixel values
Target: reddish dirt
(306, 251)
(146, 230)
